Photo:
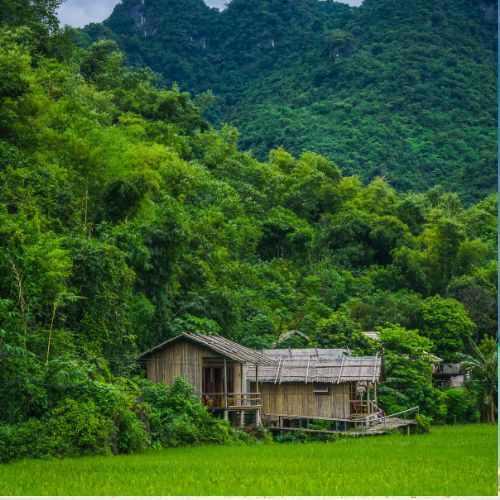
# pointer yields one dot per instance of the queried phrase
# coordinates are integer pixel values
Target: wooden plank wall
(299, 399)
(184, 359)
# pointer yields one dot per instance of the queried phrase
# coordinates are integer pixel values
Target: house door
(213, 381)
(213, 385)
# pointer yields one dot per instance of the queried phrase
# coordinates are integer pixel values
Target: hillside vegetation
(403, 90)
(125, 219)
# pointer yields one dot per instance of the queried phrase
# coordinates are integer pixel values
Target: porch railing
(378, 419)
(362, 408)
(221, 400)
(364, 423)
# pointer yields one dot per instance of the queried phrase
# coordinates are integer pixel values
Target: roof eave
(261, 360)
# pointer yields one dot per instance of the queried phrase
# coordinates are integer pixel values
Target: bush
(293, 436)
(461, 406)
(255, 434)
(262, 434)
(132, 435)
(128, 413)
(26, 440)
(79, 428)
(125, 417)
(423, 424)
(243, 437)
(178, 417)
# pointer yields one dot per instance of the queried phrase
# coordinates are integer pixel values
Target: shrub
(178, 417)
(125, 417)
(79, 428)
(132, 435)
(423, 424)
(292, 436)
(461, 406)
(180, 429)
(243, 437)
(25, 440)
(262, 434)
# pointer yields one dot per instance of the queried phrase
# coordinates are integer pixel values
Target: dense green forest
(398, 89)
(125, 218)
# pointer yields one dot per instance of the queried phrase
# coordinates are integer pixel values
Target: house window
(321, 389)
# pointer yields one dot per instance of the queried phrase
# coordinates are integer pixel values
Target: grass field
(459, 460)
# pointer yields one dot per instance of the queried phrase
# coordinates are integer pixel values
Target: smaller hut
(215, 366)
(449, 375)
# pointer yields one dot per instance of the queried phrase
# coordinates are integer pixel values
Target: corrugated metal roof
(322, 366)
(220, 345)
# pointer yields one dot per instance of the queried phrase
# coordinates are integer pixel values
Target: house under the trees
(216, 367)
(278, 386)
(449, 375)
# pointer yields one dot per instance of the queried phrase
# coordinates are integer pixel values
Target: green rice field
(455, 460)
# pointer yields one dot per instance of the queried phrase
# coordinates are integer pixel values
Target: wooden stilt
(226, 413)
(258, 420)
(242, 401)
(368, 402)
(256, 379)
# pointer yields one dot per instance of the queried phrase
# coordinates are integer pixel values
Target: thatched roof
(303, 353)
(219, 345)
(312, 365)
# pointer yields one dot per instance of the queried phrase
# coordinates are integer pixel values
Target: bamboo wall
(299, 399)
(185, 359)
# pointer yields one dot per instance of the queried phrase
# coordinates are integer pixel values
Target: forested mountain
(125, 218)
(403, 90)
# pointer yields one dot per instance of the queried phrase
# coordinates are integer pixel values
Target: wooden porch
(220, 379)
(238, 408)
(232, 400)
(373, 424)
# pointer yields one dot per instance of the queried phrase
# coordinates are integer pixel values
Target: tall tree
(483, 366)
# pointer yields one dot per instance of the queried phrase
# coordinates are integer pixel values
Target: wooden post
(226, 413)
(257, 413)
(242, 389)
(368, 402)
(242, 400)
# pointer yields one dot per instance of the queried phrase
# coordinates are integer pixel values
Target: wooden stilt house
(216, 367)
(313, 383)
